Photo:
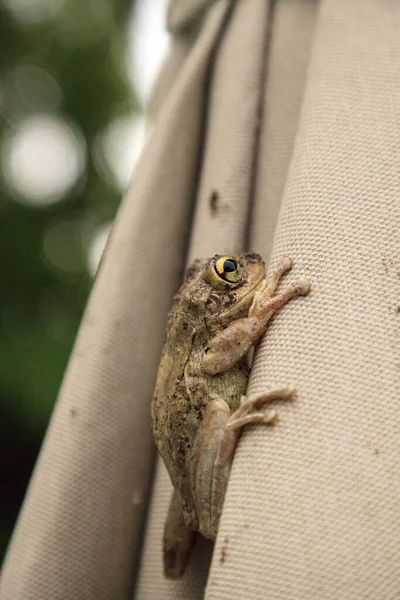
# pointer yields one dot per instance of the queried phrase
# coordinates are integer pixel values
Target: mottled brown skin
(199, 406)
(183, 389)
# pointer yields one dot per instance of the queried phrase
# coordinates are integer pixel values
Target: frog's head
(223, 287)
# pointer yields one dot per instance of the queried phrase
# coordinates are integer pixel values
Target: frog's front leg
(214, 448)
(228, 347)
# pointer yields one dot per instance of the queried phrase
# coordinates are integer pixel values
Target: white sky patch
(148, 43)
(118, 147)
(42, 159)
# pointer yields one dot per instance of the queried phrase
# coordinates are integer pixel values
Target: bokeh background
(75, 76)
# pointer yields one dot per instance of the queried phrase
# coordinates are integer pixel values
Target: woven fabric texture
(279, 132)
(312, 509)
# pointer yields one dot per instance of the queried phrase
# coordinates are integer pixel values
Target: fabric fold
(312, 509)
(220, 223)
(79, 530)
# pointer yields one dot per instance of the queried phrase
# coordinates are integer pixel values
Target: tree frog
(199, 406)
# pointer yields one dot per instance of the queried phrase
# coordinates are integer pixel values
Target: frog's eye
(228, 269)
(222, 270)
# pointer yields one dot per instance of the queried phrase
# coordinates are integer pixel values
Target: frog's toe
(268, 417)
(243, 400)
(285, 264)
(302, 287)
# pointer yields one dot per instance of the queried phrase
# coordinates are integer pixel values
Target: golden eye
(228, 269)
(222, 270)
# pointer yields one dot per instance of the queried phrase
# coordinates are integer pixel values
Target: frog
(199, 406)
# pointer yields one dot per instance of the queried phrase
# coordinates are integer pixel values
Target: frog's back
(171, 414)
(182, 393)
(170, 377)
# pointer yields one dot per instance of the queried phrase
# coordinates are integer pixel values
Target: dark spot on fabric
(214, 202)
(224, 552)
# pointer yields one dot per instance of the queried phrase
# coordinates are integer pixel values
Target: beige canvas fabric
(313, 507)
(290, 113)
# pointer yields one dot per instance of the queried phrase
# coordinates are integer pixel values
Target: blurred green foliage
(41, 301)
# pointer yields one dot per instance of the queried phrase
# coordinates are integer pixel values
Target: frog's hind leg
(214, 448)
(178, 541)
(212, 455)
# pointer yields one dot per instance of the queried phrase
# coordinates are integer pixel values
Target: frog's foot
(283, 266)
(265, 303)
(178, 541)
(248, 410)
(270, 284)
